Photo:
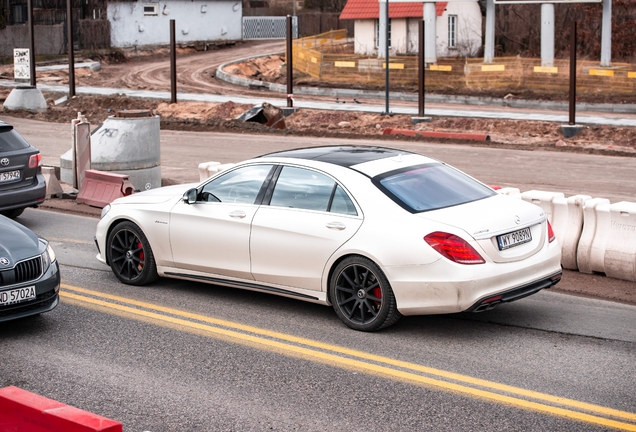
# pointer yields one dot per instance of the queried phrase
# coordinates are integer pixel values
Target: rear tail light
(35, 160)
(551, 236)
(454, 248)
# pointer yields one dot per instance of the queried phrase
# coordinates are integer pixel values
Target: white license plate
(10, 175)
(515, 238)
(17, 295)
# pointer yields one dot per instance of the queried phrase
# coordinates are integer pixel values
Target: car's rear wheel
(362, 296)
(12, 214)
(130, 256)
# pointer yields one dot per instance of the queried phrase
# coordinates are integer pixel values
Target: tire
(12, 214)
(130, 256)
(362, 296)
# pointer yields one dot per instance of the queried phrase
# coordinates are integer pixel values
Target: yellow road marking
(359, 364)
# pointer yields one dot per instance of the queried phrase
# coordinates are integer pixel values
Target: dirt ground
(149, 72)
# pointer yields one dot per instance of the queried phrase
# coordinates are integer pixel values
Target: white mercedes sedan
(375, 232)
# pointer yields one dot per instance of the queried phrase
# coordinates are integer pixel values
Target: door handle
(336, 226)
(237, 214)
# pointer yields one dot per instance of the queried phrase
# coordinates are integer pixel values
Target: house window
(452, 31)
(19, 13)
(377, 33)
(151, 9)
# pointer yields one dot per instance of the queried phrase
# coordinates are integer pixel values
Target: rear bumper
(518, 293)
(25, 196)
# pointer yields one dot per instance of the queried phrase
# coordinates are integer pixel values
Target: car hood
(489, 217)
(156, 196)
(17, 242)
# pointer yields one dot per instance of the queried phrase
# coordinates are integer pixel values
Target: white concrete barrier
(205, 167)
(620, 250)
(567, 223)
(590, 254)
(543, 199)
(224, 167)
(510, 191)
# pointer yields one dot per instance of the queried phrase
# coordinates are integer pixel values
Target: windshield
(430, 187)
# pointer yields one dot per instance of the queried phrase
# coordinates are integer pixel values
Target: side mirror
(190, 197)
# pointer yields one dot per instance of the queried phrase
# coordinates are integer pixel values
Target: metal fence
(329, 57)
(268, 27)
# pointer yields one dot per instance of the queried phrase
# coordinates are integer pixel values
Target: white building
(148, 23)
(458, 27)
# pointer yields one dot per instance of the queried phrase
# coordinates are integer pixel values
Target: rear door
(308, 217)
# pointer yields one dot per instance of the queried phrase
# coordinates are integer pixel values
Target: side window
(303, 189)
(237, 186)
(341, 203)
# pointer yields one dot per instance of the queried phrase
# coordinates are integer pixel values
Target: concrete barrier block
(205, 168)
(567, 223)
(590, 254)
(21, 410)
(543, 199)
(101, 188)
(510, 191)
(53, 186)
(620, 250)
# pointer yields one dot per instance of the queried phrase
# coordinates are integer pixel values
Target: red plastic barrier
(101, 188)
(433, 134)
(21, 410)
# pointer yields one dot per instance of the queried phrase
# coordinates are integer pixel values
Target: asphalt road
(183, 356)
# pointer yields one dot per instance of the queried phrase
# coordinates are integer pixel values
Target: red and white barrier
(21, 410)
(101, 188)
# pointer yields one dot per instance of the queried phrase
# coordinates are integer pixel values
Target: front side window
(452, 31)
(310, 190)
(241, 185)
(430, 187)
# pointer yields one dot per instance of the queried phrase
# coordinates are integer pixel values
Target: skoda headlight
(48, 256)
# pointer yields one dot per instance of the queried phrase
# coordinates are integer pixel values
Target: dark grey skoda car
(29, 273)
(21, 181)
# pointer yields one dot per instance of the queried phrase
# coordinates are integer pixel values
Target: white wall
(195, 20)
(404, 33)
(364, 31)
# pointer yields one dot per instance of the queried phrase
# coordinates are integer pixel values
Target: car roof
(346, 156)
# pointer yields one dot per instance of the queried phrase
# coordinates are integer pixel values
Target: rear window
(10, 140)
(430, 187)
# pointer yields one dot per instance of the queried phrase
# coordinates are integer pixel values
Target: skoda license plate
(17, 295)
(515, 238)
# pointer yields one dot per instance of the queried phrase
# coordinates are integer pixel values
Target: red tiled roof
(370, 9)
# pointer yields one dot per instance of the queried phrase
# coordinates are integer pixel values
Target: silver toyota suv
(21, 181)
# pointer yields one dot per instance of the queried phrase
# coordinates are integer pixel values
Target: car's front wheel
(130, 256)
(362, 296)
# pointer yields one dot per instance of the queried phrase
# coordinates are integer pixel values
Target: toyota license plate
(17, 295)
(515, 238)
(9, 175)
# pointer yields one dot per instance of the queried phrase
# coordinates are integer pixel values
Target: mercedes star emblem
(517, 220)
(4, 261)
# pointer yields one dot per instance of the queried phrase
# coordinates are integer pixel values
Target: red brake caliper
(140, 266)
(377, 292)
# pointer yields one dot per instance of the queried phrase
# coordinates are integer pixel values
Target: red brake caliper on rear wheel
(140, 266)
(377, 292)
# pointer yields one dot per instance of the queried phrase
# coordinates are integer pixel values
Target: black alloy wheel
(361, 295)
(130, 256)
